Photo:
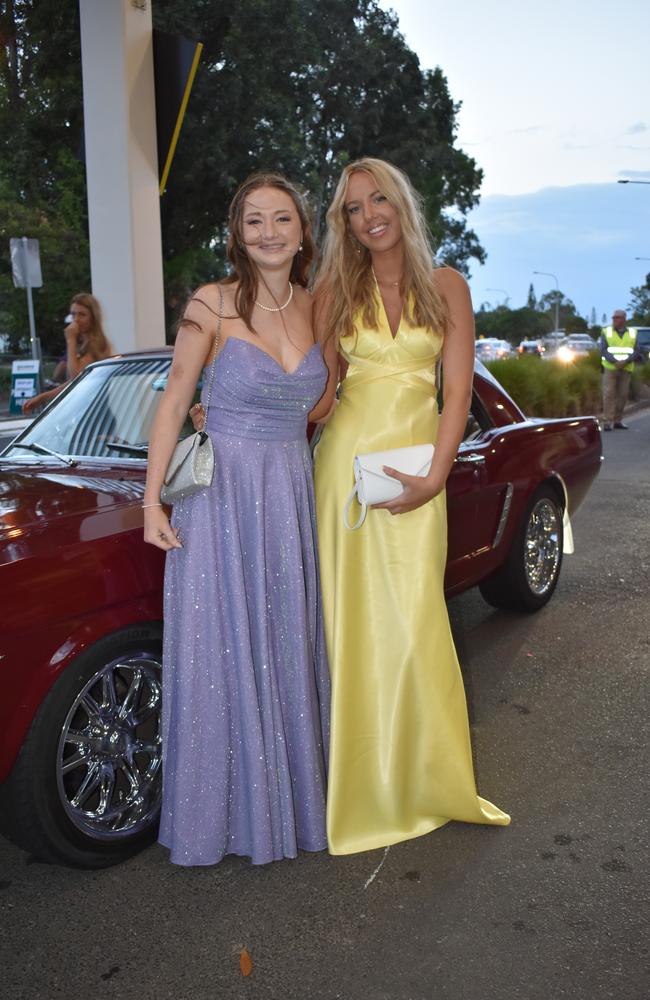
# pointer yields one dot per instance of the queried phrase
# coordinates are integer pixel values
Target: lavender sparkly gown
(245, 679)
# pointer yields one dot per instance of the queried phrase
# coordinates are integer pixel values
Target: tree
(59, 226)
(568, 318)
(300, 86)
(42, 181)
(531, 301)
(639, 306)
(513, 325)
(347, 85)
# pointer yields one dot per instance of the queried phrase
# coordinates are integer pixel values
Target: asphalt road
(556, 905)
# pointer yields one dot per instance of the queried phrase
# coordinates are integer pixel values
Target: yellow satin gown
(400, 755)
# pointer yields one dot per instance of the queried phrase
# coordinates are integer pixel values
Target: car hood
(36, 495)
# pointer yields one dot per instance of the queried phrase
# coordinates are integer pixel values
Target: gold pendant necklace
(276, 309)
(393, 283)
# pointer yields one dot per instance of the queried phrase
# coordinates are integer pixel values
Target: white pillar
(122, 170)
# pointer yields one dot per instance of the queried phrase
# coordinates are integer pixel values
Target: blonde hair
(345, 279)
(95, 341)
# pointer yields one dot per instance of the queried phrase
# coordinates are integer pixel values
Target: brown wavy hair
(95, 342)
(345, 280)
(244, 270)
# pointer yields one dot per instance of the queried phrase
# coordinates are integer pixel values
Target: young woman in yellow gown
(400, 757)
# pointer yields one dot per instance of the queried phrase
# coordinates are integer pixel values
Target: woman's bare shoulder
(206, 304)
(212, 294)
(449, 280)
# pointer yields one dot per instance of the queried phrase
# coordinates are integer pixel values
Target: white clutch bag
(372, 485)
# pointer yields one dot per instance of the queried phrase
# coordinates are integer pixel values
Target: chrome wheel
(542, 546)
(108, 764)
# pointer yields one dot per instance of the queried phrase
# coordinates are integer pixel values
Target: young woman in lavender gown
(245, 680)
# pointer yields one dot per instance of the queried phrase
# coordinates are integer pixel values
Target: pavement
(554, 906)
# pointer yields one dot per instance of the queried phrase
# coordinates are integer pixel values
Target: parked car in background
(552, 341)
(535, 348)
(581, 342)
(576, 345)
(493, 349)
(643, 340)
(80, 744)
(485, 348)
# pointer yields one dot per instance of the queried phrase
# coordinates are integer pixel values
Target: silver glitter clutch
(190, 469)
(191, 466)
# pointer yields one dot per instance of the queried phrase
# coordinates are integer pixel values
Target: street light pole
(628, 181)
(549, 274)
(499, 290)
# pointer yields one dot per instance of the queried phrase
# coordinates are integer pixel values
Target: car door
(476, 497)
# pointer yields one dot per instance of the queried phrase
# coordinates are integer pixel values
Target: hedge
(554, 389)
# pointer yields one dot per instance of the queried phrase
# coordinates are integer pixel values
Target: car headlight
(565, 354)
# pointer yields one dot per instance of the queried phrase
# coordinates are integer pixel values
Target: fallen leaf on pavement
(245, 962)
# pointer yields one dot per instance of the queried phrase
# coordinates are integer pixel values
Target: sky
(555, 110)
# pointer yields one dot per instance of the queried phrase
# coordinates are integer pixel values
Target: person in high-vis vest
(618, 354)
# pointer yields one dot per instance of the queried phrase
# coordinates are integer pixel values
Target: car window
(107, 413)
(477, 420)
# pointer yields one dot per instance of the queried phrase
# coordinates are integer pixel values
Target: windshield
(107, 413)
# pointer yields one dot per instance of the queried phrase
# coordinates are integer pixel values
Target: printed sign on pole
(25, 263)
(25, 383)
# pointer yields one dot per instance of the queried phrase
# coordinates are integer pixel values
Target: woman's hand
(158, 531)
(417, 490)
(40, 400)
(31, 404)
(197, 416)
(324, 419)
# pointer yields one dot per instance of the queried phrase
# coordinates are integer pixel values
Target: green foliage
(336, 82)
(42, 182)
(299, 86)
(639, 306)
(576, 324)
(640, 381)
(59, 225)
(513, 325)
(533, 321)
(568, 319)
(551, 388)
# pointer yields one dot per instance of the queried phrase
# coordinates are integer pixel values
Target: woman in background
(85, 342)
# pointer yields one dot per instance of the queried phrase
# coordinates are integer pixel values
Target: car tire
(85, 789)
(529, 576)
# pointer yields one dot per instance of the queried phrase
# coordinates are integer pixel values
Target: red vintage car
(80, 663)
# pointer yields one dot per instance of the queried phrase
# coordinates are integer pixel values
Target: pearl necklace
(276, 309)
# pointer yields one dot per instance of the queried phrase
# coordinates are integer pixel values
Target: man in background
(618, 353)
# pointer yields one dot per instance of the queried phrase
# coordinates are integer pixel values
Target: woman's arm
(78, 366)
(193, 345)
(458, 371)
(331, 356)
(42, 398)
(458, 368)
(74, 364)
